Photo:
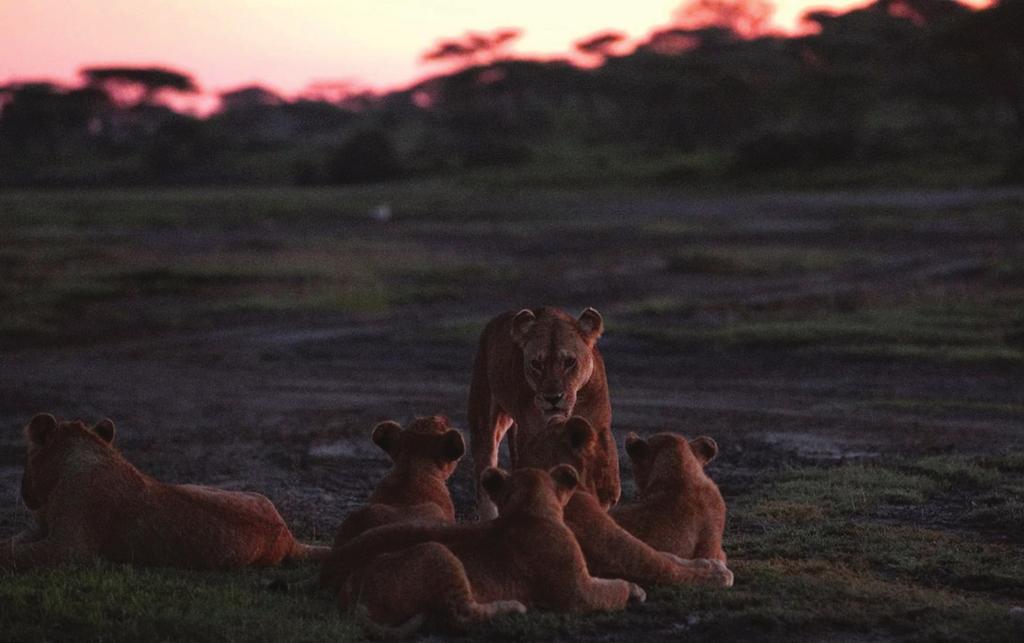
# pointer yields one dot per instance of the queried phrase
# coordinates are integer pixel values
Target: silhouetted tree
(249, 97)
(42, 117)
(600, 45)
(138, 85)
(473, 48)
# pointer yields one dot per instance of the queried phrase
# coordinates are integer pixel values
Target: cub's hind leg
(398, 592)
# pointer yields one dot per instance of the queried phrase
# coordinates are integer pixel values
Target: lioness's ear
(566, 478)
(494, 481)
(105, 429)
(704, 448)
(635, 445)
(385, 435)
(40, 428)
(522, 323)
(591, 325)
(581, 434)
(453, 446)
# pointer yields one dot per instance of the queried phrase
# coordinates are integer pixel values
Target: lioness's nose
(553, 399)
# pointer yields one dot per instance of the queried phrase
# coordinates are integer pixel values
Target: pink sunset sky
(289, 44)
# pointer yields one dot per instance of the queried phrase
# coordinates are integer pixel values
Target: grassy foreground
(814, 549)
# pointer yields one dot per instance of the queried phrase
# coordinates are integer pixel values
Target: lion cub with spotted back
(532, 366)
(679, 509)
(92, 503)
(610, 550)
(424, 456)
(402, 575)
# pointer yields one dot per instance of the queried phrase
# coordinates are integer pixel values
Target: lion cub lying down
(415, 490)
(92, 503)
(610, 550)
(403, 575)
(679, 509)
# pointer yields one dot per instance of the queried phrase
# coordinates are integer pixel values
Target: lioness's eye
(536, 364)
(570, 362)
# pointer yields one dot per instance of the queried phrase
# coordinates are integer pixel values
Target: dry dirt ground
(251, 340)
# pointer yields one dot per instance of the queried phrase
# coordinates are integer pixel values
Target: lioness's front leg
(485, 443)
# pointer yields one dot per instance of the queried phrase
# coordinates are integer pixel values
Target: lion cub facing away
(679, 509)
(425, 455)
(610, 550)
(92, 503)
(403, 575)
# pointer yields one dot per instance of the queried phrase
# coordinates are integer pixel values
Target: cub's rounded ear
(591, 325)
(581, 435)
(385, 435)
(494, 481)
(522, 324)
(565, 476)
(704, 448)
(453, 446)
(40, 429)
(105, 429)
(635, 445)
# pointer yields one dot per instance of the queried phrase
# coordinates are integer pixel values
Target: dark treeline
(899, 81)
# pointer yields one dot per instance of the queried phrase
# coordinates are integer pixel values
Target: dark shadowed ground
(858, 357)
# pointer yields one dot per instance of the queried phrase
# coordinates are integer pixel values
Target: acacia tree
(472, 48)
(600, 45)
(138, 86)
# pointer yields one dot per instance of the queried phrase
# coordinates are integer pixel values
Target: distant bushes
(494, 152)
(368, 156)
(796, 149)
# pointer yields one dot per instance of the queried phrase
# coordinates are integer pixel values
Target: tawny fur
(532, 366)
(90, 502)
(610, 550)
(424, 456)
(678, 509)
(454, 574)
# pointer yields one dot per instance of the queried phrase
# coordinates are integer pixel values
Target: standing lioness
(92, 503)
(533, 366)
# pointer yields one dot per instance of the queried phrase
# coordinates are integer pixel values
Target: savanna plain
(859, 357)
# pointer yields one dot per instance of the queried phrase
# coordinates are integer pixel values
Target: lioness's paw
(637, 593)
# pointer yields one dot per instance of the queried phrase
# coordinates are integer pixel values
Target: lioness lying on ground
(610, 550)
(534, 365)
(92, 503)
(455, 574)
(415, 490)
(679, 509)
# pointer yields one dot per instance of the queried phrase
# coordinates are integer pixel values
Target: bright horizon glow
(289, 45)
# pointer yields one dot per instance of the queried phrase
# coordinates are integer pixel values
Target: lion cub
(425, 455)
(92, 503)
(610, 550)
(679, 509)
(456, 574)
